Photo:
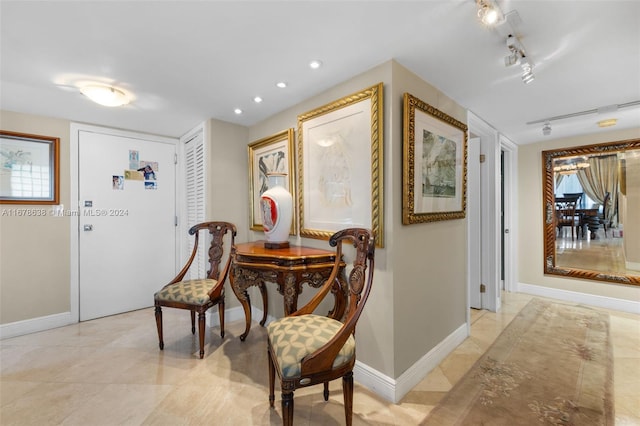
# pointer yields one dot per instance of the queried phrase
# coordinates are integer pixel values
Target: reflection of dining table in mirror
(589, 221)
(605, 179)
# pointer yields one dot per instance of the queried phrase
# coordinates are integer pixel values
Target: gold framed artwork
(340, 166)
(30, 168)
(434, 171)
(273, 154)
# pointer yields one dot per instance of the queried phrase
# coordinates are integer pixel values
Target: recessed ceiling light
(608, 122)
(315, 64)
(237, 111)
(257, 99)
(105, 95)
(281, 84)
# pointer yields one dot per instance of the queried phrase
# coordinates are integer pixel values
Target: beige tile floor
(110, 372)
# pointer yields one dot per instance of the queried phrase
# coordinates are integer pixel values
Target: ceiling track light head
(527, 71)
(517, 55)
(489, 13)
(512, 59)
(528, 77)
(546, 129)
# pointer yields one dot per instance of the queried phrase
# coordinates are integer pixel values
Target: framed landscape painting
(434, 173)
(29, 169)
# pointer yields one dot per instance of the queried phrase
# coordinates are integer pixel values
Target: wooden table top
(256, 248)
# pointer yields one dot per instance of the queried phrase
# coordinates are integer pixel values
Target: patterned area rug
(553, 365)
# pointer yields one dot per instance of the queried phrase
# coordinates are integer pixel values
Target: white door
(127, 241)
(474, 223)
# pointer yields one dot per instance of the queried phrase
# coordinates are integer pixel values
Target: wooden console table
(289, 268)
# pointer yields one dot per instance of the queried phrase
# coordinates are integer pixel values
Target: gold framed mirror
(591, 222)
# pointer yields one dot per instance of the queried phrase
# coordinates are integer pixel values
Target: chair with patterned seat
(198, 295)
(307, 349)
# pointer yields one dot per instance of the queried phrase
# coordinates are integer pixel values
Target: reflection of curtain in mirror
(599, 178)
(559, 177)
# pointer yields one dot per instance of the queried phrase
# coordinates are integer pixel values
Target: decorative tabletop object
(276, 209)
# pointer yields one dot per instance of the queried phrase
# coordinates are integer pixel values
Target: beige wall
(34, 251)
(429, 260)
(227, 181)
(419, 293)
(632, 205)
(530, 232)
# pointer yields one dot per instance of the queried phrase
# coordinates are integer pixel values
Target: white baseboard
(377, 382)
(394, 390)
(34, 325)
(576, 297)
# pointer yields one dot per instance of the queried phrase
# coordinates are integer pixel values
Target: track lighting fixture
(608, 109)
(516, 56)
(489, 13)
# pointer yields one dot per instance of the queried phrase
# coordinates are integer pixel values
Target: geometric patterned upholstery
(293, 338)
(194, 292)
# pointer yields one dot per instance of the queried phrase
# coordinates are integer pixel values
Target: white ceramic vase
(276, 209)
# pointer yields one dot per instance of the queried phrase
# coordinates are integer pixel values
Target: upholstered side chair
(198, 295)
(307, 349)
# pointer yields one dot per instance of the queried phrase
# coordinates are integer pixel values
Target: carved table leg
(246, 306)
(243, 298)
(265, 303)
(290, 292)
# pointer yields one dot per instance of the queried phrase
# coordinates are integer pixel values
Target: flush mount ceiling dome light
(105, 95)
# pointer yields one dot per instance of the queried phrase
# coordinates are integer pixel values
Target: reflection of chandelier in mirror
(567, 166)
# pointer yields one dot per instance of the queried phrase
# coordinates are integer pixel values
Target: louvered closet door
(195, 200)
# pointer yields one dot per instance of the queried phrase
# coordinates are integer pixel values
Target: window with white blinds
(194, 166)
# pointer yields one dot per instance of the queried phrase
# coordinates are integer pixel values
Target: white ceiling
(188, 61)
